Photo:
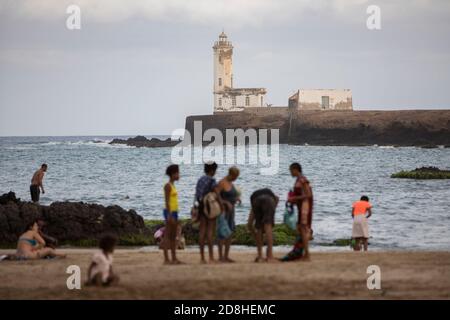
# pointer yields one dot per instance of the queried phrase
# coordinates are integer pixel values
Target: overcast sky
(140, 67)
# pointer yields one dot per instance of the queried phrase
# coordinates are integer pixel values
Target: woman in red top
(360, 230)
(303, 197)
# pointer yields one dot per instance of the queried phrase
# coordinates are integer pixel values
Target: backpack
(211, 206)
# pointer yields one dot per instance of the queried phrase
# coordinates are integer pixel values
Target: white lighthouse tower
(223, 63)
(227, 98)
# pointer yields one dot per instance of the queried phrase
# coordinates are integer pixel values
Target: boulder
(69, 222)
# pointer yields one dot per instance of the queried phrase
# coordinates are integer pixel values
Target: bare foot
(177, 262)
(167, 262)
(259, 259)
(228, 260)
(306, 258)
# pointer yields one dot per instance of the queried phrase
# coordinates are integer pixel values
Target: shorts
(35, 192)
(174, 215)
(264, 208)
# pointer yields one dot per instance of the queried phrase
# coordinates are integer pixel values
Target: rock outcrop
(352, 128)
(423, 173)
(69, 222)
(141, 141)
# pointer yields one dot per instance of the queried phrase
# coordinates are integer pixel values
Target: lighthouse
(227, 98)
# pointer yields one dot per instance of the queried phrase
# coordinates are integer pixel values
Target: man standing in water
(303, 197)
(36, 183)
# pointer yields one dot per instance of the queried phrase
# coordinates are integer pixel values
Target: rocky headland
(423, 128)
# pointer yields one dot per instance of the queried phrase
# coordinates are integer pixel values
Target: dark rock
(423, 173)
(9, 197)
(68, 221)
(337, 127)
(141, 141)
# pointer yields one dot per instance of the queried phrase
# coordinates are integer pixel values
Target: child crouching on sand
(100, 271)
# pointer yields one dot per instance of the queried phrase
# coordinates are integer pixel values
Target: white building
(227, 98)
(322, 99)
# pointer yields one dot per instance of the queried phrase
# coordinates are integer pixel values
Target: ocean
(407, 214)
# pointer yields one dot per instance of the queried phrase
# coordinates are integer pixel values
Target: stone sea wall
(401, 128)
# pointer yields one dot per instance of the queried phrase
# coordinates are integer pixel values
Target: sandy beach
(330, 275)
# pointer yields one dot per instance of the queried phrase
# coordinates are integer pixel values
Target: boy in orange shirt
(360, 231)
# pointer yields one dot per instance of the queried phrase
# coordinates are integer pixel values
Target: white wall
(338, 99)
(227, 102)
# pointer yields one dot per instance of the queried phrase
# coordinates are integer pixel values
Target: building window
(325, 102)
(247, 101)
(220, 102)
(233, 101)
(220, 82)
(262, 101)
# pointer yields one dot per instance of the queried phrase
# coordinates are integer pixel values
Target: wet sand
(330, 275)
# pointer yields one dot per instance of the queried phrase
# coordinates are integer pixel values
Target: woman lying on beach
(360, 230)
(32, 246)
(171, 215)
(228, 199)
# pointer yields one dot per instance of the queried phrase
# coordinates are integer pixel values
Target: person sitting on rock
(100, 272)
(31, 245)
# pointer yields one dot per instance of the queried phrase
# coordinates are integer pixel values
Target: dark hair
(44, 165)
(365, 198)
(30, 225)
(172, 169)
(210, 167)
(107, 242)
(296, 166)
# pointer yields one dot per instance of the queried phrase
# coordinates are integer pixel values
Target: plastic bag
(223, 229)
(290, 219)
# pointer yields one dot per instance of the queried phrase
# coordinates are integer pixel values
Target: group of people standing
(224, 195)
(214, 210)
